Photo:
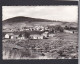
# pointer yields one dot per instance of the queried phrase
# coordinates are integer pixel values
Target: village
(36, 32)
(51, 42)
(34, 41)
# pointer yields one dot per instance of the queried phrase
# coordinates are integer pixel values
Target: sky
(61, 13)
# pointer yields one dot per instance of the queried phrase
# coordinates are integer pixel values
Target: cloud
(63, 13)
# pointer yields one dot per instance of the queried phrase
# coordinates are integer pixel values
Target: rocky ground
(61, 46)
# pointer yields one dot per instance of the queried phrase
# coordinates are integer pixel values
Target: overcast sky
(62, 13)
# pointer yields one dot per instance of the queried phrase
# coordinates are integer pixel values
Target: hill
(21, 21)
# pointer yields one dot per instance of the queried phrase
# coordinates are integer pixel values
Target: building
(36, 36)
(45, 34)
(9, 36)
(21, 36)
(51, 34)
(14, 35)
(68, 31)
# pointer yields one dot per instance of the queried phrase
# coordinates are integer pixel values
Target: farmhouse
(9, 36)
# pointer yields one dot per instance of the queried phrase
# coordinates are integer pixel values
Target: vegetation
(61, 46)
(70, 28)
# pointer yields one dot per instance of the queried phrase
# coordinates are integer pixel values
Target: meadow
(60, 46)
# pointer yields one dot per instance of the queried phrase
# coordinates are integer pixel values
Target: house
(18, 35)
(68, 31)
(9, 36)
(6, 36)
(21, 37)
(45, 34)
(13, 35)
(36, 36)
(51, 34)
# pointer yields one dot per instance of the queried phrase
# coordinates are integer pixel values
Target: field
(61, 46)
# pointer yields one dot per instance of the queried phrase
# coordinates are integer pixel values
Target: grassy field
(61, 46)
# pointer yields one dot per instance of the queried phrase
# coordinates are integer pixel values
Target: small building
(51, 35)
(21, 37)
(45, 34)
(68, 31)
(9, 36)
(36, 36)
(6, 36)
(13, 35)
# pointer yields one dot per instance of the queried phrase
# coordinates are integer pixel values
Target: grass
(61, 46)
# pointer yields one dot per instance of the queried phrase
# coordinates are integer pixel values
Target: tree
(26, 34)
(59, 28)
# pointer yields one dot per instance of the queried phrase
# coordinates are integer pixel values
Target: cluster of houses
(11, 35)
(31, 35)
(30, 28)
(36, 32)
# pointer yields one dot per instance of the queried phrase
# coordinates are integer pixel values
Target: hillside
(21, 21)
(26, 19)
